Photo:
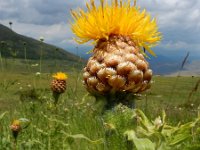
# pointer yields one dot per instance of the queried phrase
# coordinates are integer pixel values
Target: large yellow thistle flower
(119, 19)
(119, 31)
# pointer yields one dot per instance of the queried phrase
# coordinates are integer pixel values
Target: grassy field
(75, 123)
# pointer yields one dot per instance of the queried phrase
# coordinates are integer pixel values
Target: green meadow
(76, 122)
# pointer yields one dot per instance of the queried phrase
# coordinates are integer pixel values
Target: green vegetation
(167, 116)
(15, 45)
(76, 123)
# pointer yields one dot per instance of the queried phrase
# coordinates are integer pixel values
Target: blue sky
(178, 20)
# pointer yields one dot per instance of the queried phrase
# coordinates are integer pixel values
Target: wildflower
(60, 76)
(17, 125)
(119, 31)
(58, 84)
(15, 128)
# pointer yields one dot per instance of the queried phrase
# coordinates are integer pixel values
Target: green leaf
(3, 114)
(41, 131)
(81, 136)
(182, 133)
(24, 122)
(140, 143)
(30, 143)
(164, 146)
(56, 120)
(179, 138)
(144, 120)
(163, 116)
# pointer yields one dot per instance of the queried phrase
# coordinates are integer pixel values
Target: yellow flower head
(119, 18)
(16, 126)
(60, 76)
(16, 123)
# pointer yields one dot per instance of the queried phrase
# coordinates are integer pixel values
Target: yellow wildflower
(119, 18)
(60, 76)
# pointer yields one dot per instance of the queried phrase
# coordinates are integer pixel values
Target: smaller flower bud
(15, 128)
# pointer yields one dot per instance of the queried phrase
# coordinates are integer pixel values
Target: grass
(76, 123)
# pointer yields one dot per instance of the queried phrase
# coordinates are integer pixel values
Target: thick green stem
(120, 97)
(15, 144)
(56, 97)
(109, 101)
(15, 134)
(100, 104)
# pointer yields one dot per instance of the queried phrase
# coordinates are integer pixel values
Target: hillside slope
(16, 43)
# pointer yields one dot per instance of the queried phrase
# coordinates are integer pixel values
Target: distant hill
(15, 44)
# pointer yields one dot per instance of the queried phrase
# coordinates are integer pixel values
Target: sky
(178, 21)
